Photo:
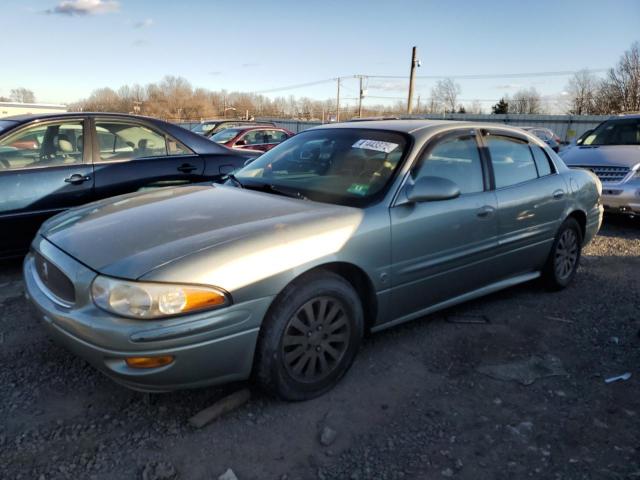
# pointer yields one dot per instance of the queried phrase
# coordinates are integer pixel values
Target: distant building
(8, 109)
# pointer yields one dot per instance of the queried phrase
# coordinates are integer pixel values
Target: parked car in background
(341, 230)
(51, 162)
(612, 152)
(211, 127)
(547, 135)
(251, 137)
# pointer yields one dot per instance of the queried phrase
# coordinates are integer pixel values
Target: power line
(481, 76)
(298, 85)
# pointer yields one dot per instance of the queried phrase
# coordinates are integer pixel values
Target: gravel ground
(508, 386)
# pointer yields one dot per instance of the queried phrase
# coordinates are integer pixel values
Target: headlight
(149, 300)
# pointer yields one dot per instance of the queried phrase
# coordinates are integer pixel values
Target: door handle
(558, 194)
(77, 179)
(187, 168)
(485, 211)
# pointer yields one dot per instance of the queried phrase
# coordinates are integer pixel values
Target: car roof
(254, 127)
(632, 116)
(199, 144)
(422, 128)
(24, 118)
(406, 126)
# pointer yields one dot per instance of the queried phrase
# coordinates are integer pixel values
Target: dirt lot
(431, 399)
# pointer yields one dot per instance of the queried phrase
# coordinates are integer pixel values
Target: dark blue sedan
(51, 162)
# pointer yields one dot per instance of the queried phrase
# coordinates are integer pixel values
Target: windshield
(6, 124)
(225, 135)
(203, 128)
(345, 166)
(615, 132)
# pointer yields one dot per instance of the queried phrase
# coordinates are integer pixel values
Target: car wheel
(310, 337)
(565, 253)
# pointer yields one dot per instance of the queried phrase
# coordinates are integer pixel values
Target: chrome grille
(607, 174)
(54, 280)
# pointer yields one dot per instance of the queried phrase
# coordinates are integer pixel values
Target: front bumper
(621, 197)
(208, 348)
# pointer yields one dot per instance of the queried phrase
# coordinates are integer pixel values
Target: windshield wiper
(287, 192)
(268, 187)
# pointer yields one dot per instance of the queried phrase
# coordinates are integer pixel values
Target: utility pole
(338, 102)
(414, 63)
(360, 97)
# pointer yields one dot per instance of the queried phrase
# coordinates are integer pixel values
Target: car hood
(602, 155)
(130, 235)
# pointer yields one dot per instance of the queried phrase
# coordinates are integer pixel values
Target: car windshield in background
(203, 128)
(225, 135)
(6, 124)
(345, 166)
(615, 132)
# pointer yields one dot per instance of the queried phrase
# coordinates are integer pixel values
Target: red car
(252, 137)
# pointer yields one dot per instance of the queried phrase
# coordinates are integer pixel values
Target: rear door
(273, 138)
(45, 168)
(252, 140)
(531, 200)
(442, 249)
(131, 155)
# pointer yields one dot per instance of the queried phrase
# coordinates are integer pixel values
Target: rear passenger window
(120, 141)
(542, 161)
(456, 159)
(511, 160)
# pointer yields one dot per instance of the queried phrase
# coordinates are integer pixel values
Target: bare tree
(22, 95)
(445, 95)
(525, 101)
(475, 107)
(582, 89)
(606, 99)
(624, 80)
(100, 100)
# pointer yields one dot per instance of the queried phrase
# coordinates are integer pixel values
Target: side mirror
(429, 189)
(241, 143)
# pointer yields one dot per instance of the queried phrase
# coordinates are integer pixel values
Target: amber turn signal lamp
(149, 362)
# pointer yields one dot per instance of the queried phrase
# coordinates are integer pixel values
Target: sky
(64, 49)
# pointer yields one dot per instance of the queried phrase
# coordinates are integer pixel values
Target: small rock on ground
(228, 475)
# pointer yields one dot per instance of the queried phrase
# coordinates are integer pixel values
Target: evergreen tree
(501, 107)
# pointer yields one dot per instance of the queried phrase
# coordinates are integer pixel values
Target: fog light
(149, 362)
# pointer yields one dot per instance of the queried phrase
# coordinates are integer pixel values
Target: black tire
(564, 257)
(290, 333)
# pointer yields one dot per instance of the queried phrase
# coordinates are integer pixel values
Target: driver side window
(48, 145)
(455, 158)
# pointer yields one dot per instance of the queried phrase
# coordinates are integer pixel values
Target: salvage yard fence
(567, 127)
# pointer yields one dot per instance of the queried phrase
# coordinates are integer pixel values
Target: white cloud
(389, 86)
(147, 22)
(85, 7)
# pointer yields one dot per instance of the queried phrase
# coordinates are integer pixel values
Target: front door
(441, 249)
(44, 169)
(130, 156)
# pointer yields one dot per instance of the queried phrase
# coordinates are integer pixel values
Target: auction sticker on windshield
(377, 145)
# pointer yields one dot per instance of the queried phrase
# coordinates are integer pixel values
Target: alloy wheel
(566, 255)
(316, 339)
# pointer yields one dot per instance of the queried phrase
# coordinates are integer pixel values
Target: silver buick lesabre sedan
(278, 274)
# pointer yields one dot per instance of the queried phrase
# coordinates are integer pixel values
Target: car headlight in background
(148, 300)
